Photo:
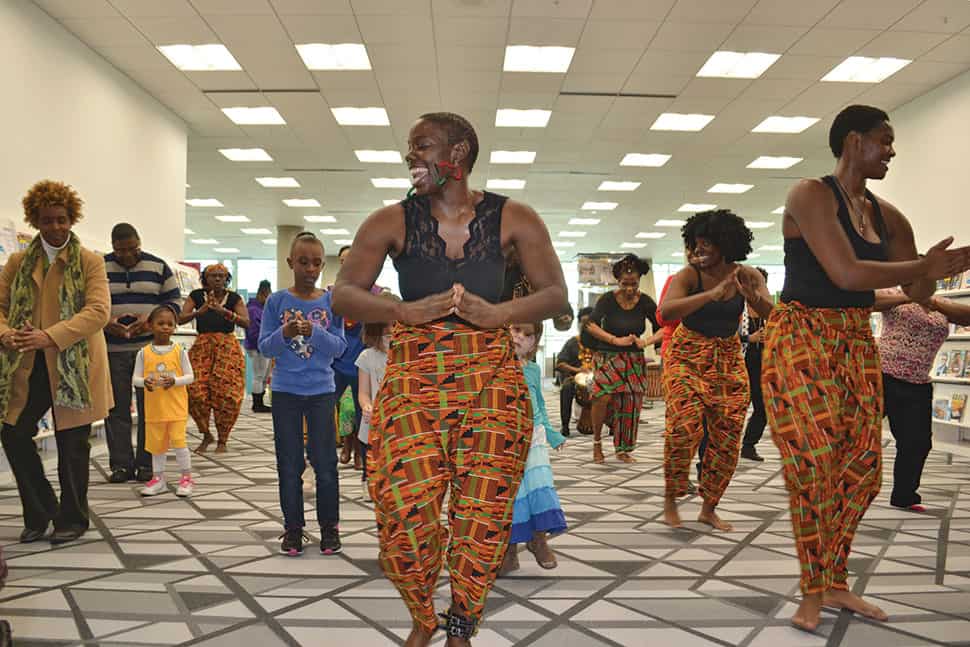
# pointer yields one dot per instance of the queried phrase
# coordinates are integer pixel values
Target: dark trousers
(701, 448)
(909, 408)
(756, 423)
(289, 412)
(567, 393)
(341, 382)
(73, 450)
(118, 423)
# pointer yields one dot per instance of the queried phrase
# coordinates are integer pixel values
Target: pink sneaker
(186, 485)
(155, 486)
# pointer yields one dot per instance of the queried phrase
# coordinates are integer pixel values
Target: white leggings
(183, 457)
(260, 368)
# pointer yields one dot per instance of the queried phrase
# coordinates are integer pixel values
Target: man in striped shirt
(138, 281)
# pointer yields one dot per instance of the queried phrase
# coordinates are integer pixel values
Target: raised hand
(727, 288)
(942, 262)
(746, 279)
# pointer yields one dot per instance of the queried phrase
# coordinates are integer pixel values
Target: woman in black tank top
(453, 407)
(821, 378)
(704, 374)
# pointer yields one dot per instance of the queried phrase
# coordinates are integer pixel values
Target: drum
(584, 380)
(654, 387)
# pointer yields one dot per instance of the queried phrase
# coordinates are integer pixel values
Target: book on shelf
(942, 361)
(956, 282)
(941, 409)
(960, 331)
(966, 281)
(956, 363)
(958, 402)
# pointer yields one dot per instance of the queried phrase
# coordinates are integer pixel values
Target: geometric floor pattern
(205, 571)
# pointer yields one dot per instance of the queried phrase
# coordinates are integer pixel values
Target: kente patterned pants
(220, 381)
(704, 379)
(823, 396)
(453, 410)
(622, 377)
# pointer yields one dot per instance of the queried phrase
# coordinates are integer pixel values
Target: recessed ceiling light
(229, 218)
(511, 118)
(610, 185)
(789, 125)
(343, 241)
(758, 224)
(766, 161)
(862, 69)
(737, 65)
(528, 58)
(691, 207)
(633, 245)
(391, 182)
(246, 154)
(563, 243)
(187, 231)
(771, 248)
(388, 203)
(644, 159)
(505, 184)
(686, 123)
(669, 223)
(319, 218)
(203, 202)
(721, 187)
(512, 157)
(572, 234)
(204, 241)
(600, 206)
(226, 250)
(278, 182)
(348, 116)
(269, 241)
(200, 58)
(262, 116)
(301, 202)
(341, 56)
(378, 157)
(584, 221)
(779, 211)
(256, 231)
(334, 232)
(651, 234)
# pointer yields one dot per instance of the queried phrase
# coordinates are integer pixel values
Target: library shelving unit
(951, 372)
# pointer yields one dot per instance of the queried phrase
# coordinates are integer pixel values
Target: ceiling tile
(563, 32)
(104, 31)
(594, 82)
(702, 88)
(130, 57)
(942, 16)
(381, 29)
(864, 14)
(954, 50)
(899, 44)
(776, 90)
(690, 37)
(312, 7)
(529, 82)
(473, 32)
(321, 28)
(264, 51)
(552, 8)
(153, 8)
(384, 8)
(655, 10)
(222, 80)
(63, 9)
(796, 13)
(233, 7)
(617, 34)
(478, 9)
(823, 98)
(810, 68)
(775, 39)
(890, 96)
(723, 11)
(930, 73)
(616, 61)
(191, 30)
(824, 41)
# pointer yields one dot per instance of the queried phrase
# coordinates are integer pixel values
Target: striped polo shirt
(136, 291)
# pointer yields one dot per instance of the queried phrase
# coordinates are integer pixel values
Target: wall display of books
(952, 364)
(941, 409)
(956, 283)
(959, 331)
(958, 402)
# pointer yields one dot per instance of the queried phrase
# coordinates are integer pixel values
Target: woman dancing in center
(705, 377)
(453, 409)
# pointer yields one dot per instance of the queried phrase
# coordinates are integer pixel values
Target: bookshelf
(951, 369)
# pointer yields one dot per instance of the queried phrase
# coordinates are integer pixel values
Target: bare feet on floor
(710, 517)
(207, 440)
(809, 612)
(419, 637)
(839, 599)
(671, 514)
(511, 561)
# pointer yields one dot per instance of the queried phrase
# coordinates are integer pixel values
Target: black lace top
(424, 269)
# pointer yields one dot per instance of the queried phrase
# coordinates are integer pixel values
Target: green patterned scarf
(74, 362)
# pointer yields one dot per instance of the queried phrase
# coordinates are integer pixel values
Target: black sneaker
(119, 475)
(751, 454)
(292, 544)
(143, 474)
(330, 539)
(564, 431)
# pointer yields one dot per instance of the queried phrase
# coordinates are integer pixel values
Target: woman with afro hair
(54, 304)
(705, 376)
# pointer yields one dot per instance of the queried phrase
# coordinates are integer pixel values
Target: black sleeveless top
(717, 318)
(210, 321)
(424, 269)
(805, 278)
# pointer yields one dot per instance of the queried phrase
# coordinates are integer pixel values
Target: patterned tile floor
(205, 571)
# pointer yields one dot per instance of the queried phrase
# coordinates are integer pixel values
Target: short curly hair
(49, 193)
(458, 129)
(724, 229)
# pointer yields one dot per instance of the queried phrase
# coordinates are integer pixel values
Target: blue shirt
(304, 365)
(347, 362)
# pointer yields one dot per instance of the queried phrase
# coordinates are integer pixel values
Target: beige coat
(87, 324)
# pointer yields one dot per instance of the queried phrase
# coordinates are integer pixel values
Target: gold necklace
(861, 216)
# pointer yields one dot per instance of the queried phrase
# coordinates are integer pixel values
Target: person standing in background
(347, 385)
(752, 345)
(568, 363)
(258, 363)
(139, 283)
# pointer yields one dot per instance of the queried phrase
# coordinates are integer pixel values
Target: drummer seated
(568, 365)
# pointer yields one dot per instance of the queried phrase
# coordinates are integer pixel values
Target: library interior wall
(927, 180)
(71, 116)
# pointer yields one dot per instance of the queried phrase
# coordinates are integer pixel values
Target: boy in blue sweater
(300, 331)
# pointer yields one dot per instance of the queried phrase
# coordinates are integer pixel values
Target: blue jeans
(289, 412)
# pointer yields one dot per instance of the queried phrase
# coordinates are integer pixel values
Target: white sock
(184, 459)
(158, 465)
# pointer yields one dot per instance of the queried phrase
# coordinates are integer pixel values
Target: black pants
(73, 450)
(756, 423)
(909, 408)
(567, 393)
(118, 423)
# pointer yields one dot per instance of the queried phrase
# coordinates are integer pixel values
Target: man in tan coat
(54, 303)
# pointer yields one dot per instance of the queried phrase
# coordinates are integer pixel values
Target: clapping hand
(166, 381)
(727, 288)
(430, 308)
(29, 338)
(476, 310)
(746, 280)
(942, 262)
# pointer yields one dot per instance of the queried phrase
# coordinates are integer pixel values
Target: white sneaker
(155, 486)
(186, 485)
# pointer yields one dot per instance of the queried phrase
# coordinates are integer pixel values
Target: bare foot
(221, 448)
(511, 561)
(809, 613)
(598, 453)
(419, 637)
(671, 514)
(839, 599)
(711, 519)
(203, 447)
